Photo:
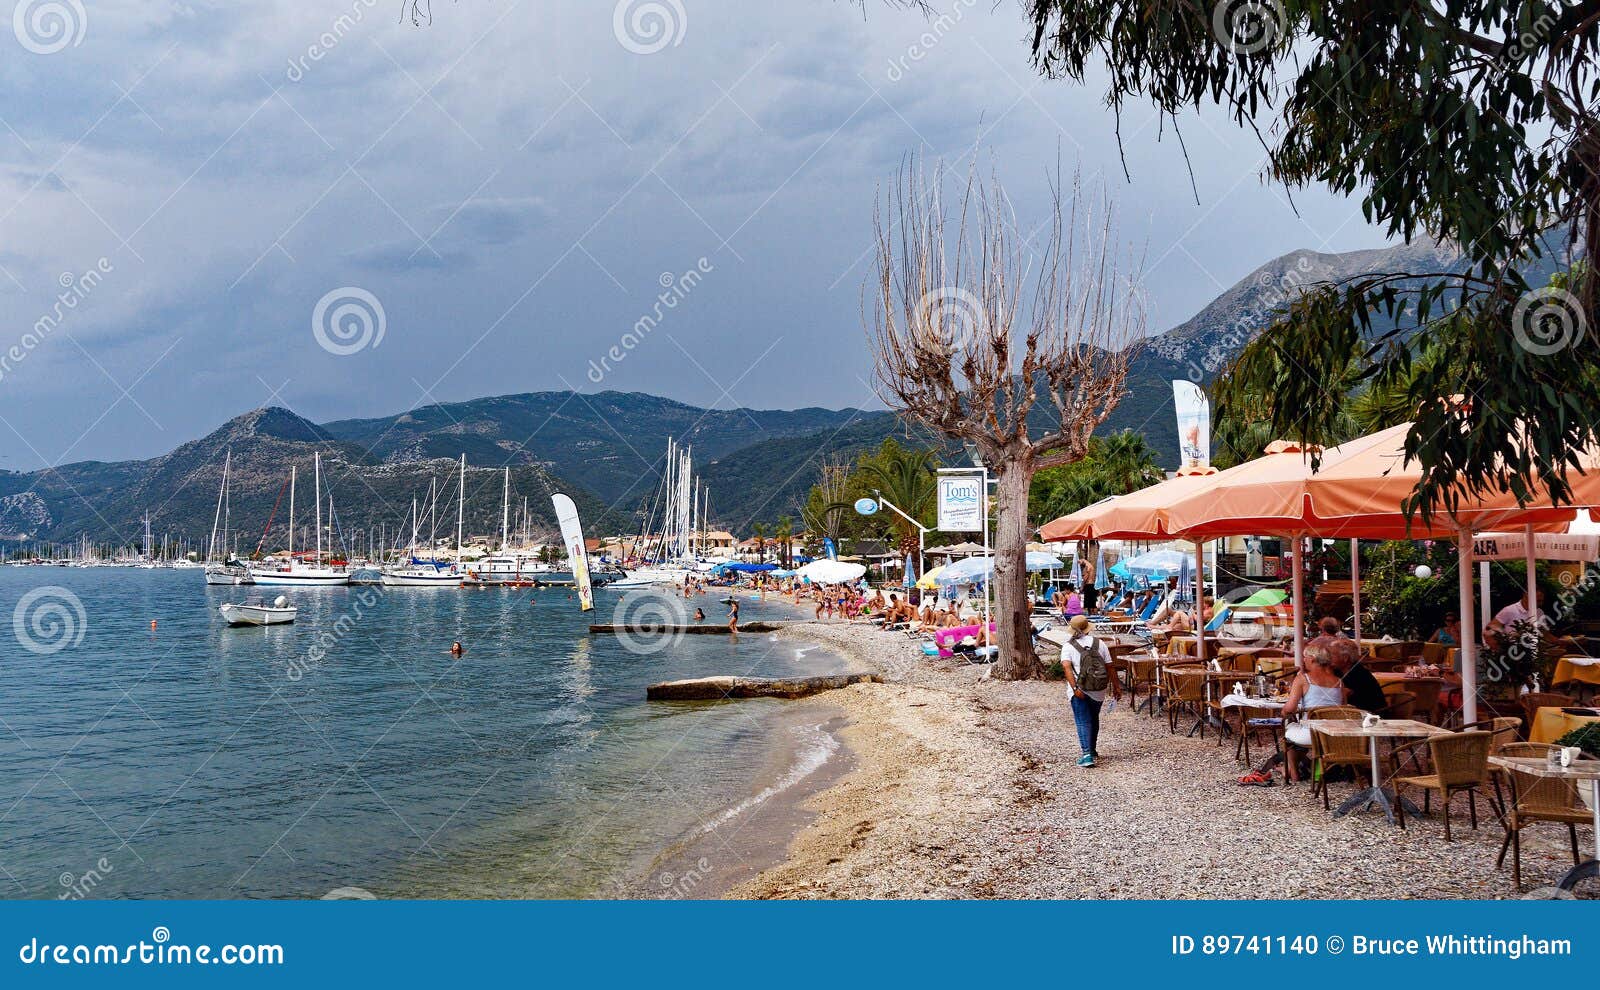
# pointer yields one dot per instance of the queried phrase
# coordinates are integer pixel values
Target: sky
(207, 208)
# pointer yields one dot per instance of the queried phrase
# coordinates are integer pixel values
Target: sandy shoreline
(966, 787)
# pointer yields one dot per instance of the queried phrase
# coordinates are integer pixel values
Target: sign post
(964, 508)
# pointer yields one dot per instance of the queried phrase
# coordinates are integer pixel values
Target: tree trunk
(1013, 630)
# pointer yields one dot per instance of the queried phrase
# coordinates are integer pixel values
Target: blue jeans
(1086, 716)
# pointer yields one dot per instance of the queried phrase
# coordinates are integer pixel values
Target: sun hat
(1079, 623)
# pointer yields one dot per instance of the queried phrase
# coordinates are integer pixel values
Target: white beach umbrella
(831, 572)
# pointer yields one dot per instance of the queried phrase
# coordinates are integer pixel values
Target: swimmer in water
(699, 615)
(456, 649)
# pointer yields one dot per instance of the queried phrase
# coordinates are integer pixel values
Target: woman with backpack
(1086, 662)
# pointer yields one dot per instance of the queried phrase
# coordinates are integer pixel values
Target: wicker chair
(1531, 703)
(1251, 720)
(1427, 692)
(1506, 732)
(1402, 704)
(1185, 690)
(1328, 752)
(1435, 653)
(1220, 687)
(1460, 765)
(1538, 799)
(1142, 676)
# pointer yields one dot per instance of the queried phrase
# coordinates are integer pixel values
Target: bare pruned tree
(973, 324)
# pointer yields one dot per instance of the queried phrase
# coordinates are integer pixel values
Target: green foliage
(1472, 124)
(1115, 465)
(903, 475)
(1586, 737)
(1398, 603)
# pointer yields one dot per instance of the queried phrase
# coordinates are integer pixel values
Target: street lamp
(869, 506)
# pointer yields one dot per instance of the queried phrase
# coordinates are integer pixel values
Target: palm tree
(904, 476)
(785, 535)
(759, 532)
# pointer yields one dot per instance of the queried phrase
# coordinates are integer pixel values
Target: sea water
(350, 754)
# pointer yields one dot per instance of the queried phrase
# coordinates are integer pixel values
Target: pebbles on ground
(967, 787)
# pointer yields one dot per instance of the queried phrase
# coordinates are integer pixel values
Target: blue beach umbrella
(1102, 580)
(909, 580)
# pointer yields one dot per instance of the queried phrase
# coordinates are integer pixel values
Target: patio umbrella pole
(1483, 593)
(1199, 589)
(1533, 581)
(1469, 649)
(1355, 586)
(1297, 584)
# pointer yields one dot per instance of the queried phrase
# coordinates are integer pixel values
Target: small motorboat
(280, 612)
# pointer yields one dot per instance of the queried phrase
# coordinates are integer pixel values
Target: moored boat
(259, 613)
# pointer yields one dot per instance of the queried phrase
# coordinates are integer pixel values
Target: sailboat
(297, 572)
(430, 572)
(681, 501)
(231, 572)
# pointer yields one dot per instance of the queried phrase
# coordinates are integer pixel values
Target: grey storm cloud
(511, 181)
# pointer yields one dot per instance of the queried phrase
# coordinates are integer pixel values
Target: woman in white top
(1081, 645)
(1316, 686)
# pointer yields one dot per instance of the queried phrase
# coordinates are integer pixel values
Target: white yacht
(418, 572)
(296, 572)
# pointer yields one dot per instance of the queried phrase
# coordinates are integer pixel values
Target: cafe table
(1252, 708)
(1576, 670)
(1550, 724)
(1581, 773)
(1388, 728)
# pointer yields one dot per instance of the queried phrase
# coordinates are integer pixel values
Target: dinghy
(259, 613)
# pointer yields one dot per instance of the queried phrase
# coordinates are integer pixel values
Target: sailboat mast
(216, 520)
(505, 513)
(227, 503)
(461, 506)
(316, 489)
(291, 513)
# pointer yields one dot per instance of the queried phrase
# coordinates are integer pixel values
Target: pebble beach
(965, 787)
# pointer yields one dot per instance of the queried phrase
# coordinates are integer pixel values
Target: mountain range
(605, 449)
